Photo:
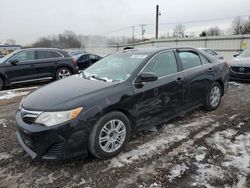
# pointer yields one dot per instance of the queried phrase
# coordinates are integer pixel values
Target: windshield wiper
(97, 78)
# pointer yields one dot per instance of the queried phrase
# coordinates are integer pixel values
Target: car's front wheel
(109, 135)
(213, 97)
(63, 73)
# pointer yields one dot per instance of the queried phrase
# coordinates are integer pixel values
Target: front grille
(241, 69)
(28, 116)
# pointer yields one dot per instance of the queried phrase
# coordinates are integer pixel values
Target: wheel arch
(125, 112)
(221, 84)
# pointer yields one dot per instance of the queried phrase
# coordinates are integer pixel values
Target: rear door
(46, 62)
(197, 72)
(159, 100)
(24, 70)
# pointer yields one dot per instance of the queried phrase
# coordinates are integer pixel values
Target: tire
(105, 142)
(1, 84)
(213, 98)
(63, 72)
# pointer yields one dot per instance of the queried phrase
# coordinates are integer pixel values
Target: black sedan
(115, 96)
(84, 60)
(240, 66)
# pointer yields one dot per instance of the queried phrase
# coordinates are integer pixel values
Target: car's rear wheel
(109, 135)
(1, 84)
(63, 72)
(213, 97)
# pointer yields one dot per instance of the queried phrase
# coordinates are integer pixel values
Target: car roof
(57, 49)
(154, 50)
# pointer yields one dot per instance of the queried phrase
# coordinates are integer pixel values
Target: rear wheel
(109, 135)
(213, 97)
(63, 72)
(1, 84)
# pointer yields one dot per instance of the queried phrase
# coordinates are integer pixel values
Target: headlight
(54, 118)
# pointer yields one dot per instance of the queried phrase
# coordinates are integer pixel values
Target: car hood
(64, 94)
(240, 63)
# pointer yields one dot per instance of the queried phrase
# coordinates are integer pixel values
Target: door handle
(179, 80)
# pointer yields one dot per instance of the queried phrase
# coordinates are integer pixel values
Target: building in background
(6, 49)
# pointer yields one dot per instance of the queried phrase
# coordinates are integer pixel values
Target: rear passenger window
(189, 60)
(45, 54)
(162, 65)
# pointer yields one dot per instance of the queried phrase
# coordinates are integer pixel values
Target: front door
(160, 100)
(23, 70)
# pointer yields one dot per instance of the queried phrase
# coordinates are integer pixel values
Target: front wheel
(63, 73)
(109, 135)
(213, 97)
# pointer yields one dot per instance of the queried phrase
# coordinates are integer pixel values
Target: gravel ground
(201, 149)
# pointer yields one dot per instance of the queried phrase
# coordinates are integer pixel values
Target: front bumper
(239, 76)
(60, 142)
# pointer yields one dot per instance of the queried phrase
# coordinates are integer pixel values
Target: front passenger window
(189, 60)
(25, 56)
(162, 65)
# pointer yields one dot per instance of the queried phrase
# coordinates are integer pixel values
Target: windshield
(115, 68)
(245, 54)
(7, 57)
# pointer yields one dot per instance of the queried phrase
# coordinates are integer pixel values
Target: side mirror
(14, 61)
(235, 55)
(147, 77)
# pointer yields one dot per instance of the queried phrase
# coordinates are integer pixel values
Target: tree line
(69, 39)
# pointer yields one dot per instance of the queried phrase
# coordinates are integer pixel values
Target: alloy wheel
(112, 135)
(215, 96)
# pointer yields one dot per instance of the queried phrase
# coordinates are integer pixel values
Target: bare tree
(237, 25)
(179, 30)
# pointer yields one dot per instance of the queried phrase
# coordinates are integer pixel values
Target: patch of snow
(200, 157)
(240, 124)
(233, 117)
(3, 123)
(155, 185)
(170, 135)
(177, 171)
(4, 156)
(207, 172)
(234, 83)
(11, 94)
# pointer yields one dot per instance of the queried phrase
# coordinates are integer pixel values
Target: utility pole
(142, 31)
(133, 33)
(157, 22)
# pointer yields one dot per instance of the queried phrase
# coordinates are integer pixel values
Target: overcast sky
(27, 20)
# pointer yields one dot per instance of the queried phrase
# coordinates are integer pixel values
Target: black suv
(35, 64)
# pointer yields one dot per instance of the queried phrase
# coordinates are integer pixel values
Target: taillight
(74, 62)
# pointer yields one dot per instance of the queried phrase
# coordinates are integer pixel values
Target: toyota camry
(96, 111)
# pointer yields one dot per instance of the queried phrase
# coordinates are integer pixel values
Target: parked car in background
(240, 66)
(115, 96)
(212, 52)
(35, 64)
(84, 60)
